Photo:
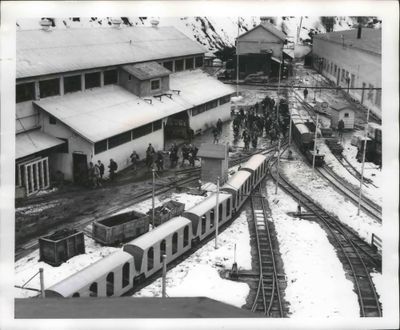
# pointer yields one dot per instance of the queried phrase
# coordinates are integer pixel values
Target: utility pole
(363, 162)
(277, 166)
(42, 293)
(153, 195)
(217, 215)
(290, 114)
(237, 60)
(164, 276)
(315, 143)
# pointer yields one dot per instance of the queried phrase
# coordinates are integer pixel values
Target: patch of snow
(316, 282)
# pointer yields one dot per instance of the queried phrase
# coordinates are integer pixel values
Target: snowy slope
(214, 32)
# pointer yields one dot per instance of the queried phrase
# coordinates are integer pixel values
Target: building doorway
(177, 126)
(80, 168)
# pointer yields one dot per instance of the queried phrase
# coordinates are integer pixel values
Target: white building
(85, 95)
(352, 59)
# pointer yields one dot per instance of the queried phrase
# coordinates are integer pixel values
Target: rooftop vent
(45, 24)
(154, 23)
(116, 22)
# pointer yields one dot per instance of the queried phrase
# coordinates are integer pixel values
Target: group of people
(96, 173)
(264, 115)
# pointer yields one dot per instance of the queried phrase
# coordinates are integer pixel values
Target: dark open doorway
(79, 168)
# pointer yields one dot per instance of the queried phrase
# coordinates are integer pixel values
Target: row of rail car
(121, 271)
(303, 133)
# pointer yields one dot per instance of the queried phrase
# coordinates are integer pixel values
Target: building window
(378, 97)
(174, 243)
(198, 110)
(178, 65)
(155, 84)
(157, 125)
(150, 259)
(189, 63)
(72, 84)
(125, 275)
(25, 92)
(212, 104)
(110, 284)
(110, 77)
(129, 77)
(119, 139)
(224, 99)
(141, 131)
(198, 62)
(100, 146)
(346, 115)
(168, 65)
(49, 87)
(92, 80)
(52, 120)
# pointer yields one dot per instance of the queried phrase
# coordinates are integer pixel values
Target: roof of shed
(159, 233)
(147, 70)
(371, 39)
(61, 50)
(116, 110)
(31, 142)
(211, 150)
(268, 27)
(339, 105)
(80, 279)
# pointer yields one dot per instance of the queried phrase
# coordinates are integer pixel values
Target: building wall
(26, 116)
(209, 118)
(260, 40)
(141, 88)
(363, 68)
(63, 161)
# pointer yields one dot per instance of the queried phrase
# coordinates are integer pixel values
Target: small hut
(214, 162)
(338, 111)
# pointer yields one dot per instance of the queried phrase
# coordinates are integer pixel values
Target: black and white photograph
(169, 164)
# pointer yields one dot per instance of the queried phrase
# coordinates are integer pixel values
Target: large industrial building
(84, 95)
(352, 59)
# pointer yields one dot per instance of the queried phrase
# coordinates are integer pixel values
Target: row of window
(125, 137)
(150, 251)
(51, 87)
(184, 64)
(346, 77)
(210, 105)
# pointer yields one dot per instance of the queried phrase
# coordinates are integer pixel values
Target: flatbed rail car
(121, 271)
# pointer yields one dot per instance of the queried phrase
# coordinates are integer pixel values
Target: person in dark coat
(113, 167)
(173, 155)
(341, 127)
(185, 154)
(219, 126)
(305, 93)
(160, 161)
(101, 168)
(150, 156)
(134, 159)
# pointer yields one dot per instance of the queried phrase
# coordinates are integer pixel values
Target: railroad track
(366, 204)
(358, 257)
(268, 298)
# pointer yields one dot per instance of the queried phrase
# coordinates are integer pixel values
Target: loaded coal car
(120, 227)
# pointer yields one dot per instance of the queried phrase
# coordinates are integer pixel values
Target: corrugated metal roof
(115, 110)
(208, 204)
(147, 70)
(45, 52)
(31, 142)
(159, 233)
(371, 39)
(90, 274)
(211, 150)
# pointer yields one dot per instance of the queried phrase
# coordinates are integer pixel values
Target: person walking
(341, 128)
(97, 180)
(113, 167)
(216, 135)
(185, 154)
(173, 156)
(160, 161)
(101, 169)
(134, 159)
(150, 156)
(305, 93)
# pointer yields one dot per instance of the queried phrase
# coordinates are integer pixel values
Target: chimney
(45, 24)
(359, 32)
(154, 23)
(116, 22)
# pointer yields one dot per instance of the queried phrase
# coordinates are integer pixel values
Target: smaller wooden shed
(338, 111)
(214, 162)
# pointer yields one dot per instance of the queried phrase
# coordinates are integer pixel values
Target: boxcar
(109, 276)
(203, 214)
(302, 136)
(239, 185)
(172, 238)
(120, 227)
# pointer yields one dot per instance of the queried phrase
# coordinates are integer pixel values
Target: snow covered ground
(198, 274)
(302, 176)
(316, 282)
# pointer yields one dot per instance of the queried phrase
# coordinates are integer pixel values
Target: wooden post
(217, 215)
(277, 166)
(164, 276)
(42, 294)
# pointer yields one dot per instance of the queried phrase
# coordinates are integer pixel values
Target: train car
(302, 136)
(257, 166)
(172, 238)
(203, 215)
(319, 158)
(239, 185)
(110, 276)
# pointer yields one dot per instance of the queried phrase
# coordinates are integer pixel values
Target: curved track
(358, 258)
(268, 297)
(366, 205)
